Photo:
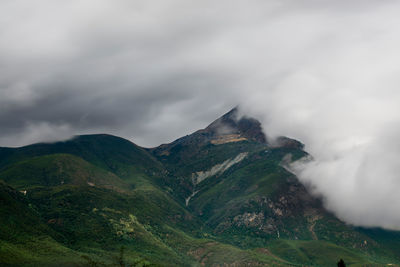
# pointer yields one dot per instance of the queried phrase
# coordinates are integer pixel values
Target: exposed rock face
(228, 138)
(217, 169)
(249, 219)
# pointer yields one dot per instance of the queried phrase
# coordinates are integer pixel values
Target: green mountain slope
(58, 169)
(89, 225)
(111, 153)
(24, 237)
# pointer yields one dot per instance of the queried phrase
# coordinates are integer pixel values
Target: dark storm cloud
(99, 67)
(325, 72)
(110, 108)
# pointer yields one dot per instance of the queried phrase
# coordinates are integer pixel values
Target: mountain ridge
(216, 197)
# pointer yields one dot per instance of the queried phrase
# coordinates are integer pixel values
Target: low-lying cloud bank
(323, 72)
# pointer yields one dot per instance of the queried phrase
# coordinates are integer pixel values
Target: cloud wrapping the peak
(323, 72)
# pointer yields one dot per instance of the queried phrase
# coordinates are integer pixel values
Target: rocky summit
(218, 197)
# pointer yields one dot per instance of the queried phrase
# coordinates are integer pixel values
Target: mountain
(217, 197)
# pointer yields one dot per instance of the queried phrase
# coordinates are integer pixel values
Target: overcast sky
(324, 72)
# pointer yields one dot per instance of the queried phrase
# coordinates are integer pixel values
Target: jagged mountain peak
(232, 126)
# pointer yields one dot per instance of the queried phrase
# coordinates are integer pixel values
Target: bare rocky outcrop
(200, 176)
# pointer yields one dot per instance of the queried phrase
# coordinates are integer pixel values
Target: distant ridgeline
(217, 197)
